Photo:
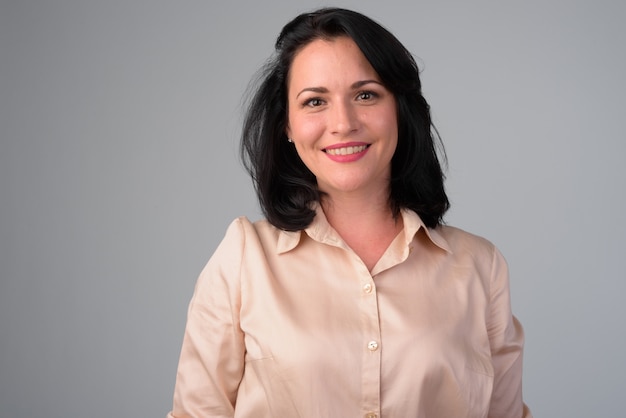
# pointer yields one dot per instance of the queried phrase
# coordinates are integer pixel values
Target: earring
(289, 140)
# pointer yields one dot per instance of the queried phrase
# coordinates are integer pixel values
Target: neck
(366, 223)
(351, 210)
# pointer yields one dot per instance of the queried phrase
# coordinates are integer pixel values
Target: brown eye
(366, 95)
(314, 102)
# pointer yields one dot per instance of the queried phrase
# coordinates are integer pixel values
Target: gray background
(119, 126)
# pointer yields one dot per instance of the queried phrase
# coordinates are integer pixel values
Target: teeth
(346, 150)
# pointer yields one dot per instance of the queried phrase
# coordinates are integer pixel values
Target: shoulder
(459, 239)
(242, 228)
(243, 240)
(257, 234)
(468, 246)
(262, 228)
(471, 252)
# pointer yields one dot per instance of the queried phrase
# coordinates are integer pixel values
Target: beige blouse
(292, 324)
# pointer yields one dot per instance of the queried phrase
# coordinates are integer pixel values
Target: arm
(506, 338)
(212, 355)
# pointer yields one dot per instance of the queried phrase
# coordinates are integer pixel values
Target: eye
(313, 102)
(366, 95)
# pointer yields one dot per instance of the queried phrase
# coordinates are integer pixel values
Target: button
(372, 346)
(368, 288)
(370, 415)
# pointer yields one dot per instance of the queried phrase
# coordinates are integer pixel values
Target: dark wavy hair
(284, 185)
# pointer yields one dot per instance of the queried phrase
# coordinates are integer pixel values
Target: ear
(288, 131)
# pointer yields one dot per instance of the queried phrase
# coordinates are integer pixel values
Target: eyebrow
(355, 85)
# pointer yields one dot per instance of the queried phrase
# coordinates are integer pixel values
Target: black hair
(284, 185)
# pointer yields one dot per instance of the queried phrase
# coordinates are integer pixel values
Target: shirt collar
(413, 223)
(320, 230)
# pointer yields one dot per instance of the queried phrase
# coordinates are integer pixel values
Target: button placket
(367, 288)
(371, 347)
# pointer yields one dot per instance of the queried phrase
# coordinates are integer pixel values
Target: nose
(343, 119)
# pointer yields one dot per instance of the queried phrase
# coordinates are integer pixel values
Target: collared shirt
(292, 324)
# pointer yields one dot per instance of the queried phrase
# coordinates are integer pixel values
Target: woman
(351, 299)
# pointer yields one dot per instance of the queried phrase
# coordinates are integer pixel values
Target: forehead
(330, 60)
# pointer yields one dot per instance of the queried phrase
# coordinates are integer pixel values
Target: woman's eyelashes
(362, 96)
(367, 95)
(313, 102)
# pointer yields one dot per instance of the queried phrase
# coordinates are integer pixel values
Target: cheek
(385, 126)
(390, 124)
(306, 130)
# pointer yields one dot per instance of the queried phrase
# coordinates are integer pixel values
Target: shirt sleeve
(212, 356)
(506, 338)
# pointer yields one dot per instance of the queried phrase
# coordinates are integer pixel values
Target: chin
(346, 187)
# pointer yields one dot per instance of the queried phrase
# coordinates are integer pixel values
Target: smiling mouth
(346, 150)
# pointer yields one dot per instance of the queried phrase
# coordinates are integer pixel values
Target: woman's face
(342, 120)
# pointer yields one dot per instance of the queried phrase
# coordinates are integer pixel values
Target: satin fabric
(292, 324)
